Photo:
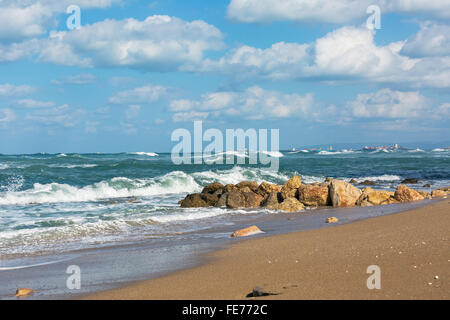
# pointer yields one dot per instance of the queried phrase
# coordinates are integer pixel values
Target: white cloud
(159, 43)
(62, 115)
(9, 90)
(78, 79)
(6, 115)
(346, 54)
(146, 94)
(25, 19)
(387, 103)
(189, 116)
(31, 103)
(253, 103)
(432, 40)
(336, 11)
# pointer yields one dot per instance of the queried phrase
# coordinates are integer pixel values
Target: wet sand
(411, 249)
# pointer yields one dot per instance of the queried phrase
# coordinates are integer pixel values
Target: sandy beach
(410, 248)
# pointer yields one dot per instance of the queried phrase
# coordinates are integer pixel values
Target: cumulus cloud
(253, 103)
(158, 43)
(189, 116)
(9, 90)
(345, 54)
(25, 19)
(432, 40)
(387, 103)
(145, 94)
(336, 11)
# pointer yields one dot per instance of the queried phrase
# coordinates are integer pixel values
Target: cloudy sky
(137, 70)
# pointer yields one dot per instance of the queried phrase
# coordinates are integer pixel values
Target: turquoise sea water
(55, 203)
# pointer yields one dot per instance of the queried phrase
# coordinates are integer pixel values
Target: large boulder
(212, 188)
(194, 200)
(272, 201)
(237, 200)
(266, 188)
(314, 195)
(370, 197)
(405, 194)
(289, 189)
(438, 193)
(230, 188)
(291, 205)
(343, 194)
(252, 185)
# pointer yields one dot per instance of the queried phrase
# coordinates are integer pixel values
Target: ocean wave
(148, 154)
(416, 150)
(383, 178)
(3, 166)
(439, 150)
(344, 151)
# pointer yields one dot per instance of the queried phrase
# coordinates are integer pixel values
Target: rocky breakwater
(294, 196)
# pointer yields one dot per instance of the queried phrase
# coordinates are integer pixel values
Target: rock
(291, 205)
(328, 179)
(252, 185)
(259, 292)
(265, 189)
(424, 194)
(222, 202)
(352, 181)
(427, 185)
(410, 181)
(210, 199)
(289, 189)
(23, 292)
(367, 183)
(194, 200)
(212, 188)
(438, 193)
(370, 197)
(343, 194)
(272, 201)
(252, 200)
(230, 188)
(245, 189)
(246, 232)
(405, 194)
(237, 200)
(332, 220)
(314, 195)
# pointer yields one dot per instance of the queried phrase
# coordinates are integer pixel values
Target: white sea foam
(148, 154)
(3, 166)
(439, 150)
(383, 178)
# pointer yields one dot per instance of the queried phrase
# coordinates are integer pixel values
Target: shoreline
(410, 247)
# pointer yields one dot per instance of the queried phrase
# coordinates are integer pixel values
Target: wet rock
(230, 188)
(291, 205)
(353, 181)
(222, 202)
(410, 181)
(252, 200)
(272, 201)
(332, 220)
(343, 194)
(367, 183)
(289, 189)
(405, 194)
(246, 232)
(213, 187)
(427, 185)
(194, 200)
(237, 200)
(23, 292)
(259, 292)
(210, 199)
(424, 194)
(314, 195)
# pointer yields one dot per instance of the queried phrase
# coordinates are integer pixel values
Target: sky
(134, 71)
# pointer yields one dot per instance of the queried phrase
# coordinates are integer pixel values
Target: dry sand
(411, 248)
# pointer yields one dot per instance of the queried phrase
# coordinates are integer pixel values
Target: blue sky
(137, 70)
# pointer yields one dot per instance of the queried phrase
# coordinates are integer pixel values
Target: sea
(54, 205)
